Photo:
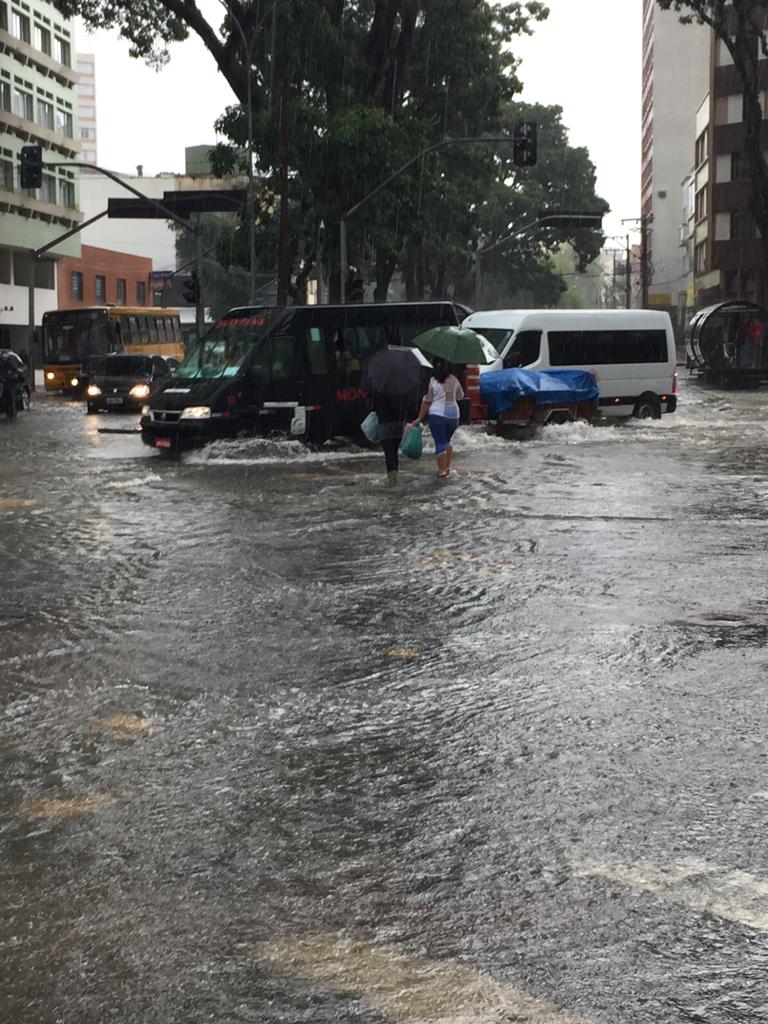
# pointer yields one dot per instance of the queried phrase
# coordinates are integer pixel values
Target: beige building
(675, 78)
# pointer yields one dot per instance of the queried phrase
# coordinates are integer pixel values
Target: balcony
(30, 131)
(28, 55)
(738, 254)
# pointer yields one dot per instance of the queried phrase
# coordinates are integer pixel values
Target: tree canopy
(345, 93)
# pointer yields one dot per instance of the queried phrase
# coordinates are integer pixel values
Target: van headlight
(74, 382)
(94, 390)
(196, 412)
(139, 391)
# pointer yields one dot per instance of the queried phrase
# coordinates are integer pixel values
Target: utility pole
(283, 263)
(628, 276)
(644, 268)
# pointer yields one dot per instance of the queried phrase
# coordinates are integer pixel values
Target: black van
(283, 369)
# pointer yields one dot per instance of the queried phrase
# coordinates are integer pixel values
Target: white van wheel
(647, 407)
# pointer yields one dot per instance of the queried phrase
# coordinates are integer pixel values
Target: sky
(586, 58)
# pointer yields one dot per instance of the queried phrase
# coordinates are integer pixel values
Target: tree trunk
(385, 268)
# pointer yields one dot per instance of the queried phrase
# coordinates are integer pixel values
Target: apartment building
(37, 106)
(675, 78)
(729, 261)
(86, 108)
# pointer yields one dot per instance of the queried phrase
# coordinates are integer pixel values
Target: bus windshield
(74, 337)
(221, 353)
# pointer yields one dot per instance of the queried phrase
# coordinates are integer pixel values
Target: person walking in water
(392, 413)
(441, 406)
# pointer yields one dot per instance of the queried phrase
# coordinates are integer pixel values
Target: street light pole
(346, 214)
(250, 205)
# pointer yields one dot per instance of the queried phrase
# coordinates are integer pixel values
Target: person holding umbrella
(441, 406)
(451, 346)
(394, 379)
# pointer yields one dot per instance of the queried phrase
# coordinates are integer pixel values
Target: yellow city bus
(72, 338)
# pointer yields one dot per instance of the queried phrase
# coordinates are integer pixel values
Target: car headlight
(50, 376)
(139, 391)
(93, 390)
(196, 412)
(74, 382)
(146, 410)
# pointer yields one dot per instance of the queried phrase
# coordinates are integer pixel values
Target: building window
(85, 67)
(739, 168)
(6, 175)
(701, 258)
(701, 204)
(121, 291)
(45, 114)
(5, 95)
(702, 147)
(48, 189)
(64, 122)
(61, 51)
(21, 103)
(88, 156)
(101, 288)
(743, 225)
(67, 194)
(20, 26)
(76, 284)
(87, 133)
(141, 293)
(4, 17)
(86, 89)
(42, 39)
(87, 112)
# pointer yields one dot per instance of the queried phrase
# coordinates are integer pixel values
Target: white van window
(590, 348)
(524, 350)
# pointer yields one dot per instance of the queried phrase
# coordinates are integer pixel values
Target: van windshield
(222, 352)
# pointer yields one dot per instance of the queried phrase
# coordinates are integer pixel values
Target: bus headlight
(74, 382)
(139, 391)
(94, 390)
(196, 412)
(50, 376)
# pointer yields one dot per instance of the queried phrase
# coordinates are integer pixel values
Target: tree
(361, 87)
(740, 25)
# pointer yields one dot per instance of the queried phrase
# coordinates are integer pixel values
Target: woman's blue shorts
(442, 428)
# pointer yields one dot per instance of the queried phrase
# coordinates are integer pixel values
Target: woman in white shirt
(441, 405)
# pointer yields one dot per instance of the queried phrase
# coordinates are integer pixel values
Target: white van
(630, 351)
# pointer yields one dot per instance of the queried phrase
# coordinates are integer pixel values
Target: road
(280, 744)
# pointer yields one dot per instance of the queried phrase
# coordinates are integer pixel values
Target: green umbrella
(457, 345)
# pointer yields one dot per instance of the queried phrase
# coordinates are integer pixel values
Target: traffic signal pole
(36, 254)
(346, 214)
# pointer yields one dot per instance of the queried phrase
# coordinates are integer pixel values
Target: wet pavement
(280, 744)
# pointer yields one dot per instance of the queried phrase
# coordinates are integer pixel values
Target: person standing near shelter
(441, 406)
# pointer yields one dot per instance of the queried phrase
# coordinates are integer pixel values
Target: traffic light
(355, 285)
(190, 289)
(31, 171)
(524, 144)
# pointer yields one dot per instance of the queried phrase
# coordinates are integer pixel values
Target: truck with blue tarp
(517, 398)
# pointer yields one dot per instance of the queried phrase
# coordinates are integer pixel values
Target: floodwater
(280, 744)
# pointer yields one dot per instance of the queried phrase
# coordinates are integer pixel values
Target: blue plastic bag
(413, 443)
(370, 427)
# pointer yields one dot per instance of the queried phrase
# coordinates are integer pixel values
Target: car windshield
(224, 350)
(124, 366)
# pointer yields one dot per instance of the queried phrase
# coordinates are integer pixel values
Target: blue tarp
(500, 389)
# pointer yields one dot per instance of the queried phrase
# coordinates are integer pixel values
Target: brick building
(101, 276)
(729, 259)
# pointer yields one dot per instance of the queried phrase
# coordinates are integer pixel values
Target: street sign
(161, 275)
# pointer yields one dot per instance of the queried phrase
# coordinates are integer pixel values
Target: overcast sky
(586, 58)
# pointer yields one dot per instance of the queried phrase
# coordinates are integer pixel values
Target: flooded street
(280, 744)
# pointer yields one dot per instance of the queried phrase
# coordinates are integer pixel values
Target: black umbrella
(396, 372)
